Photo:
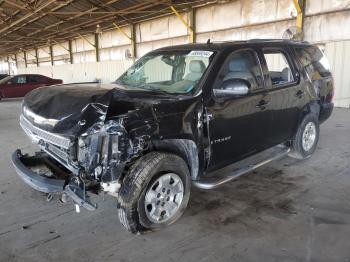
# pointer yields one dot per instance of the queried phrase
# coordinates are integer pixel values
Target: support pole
(70, 50)
(16, 61)
(9, 65)
(36, 57)
(51, 55)
(190, 30)
(192, 16)
(25, 58)
(133, 42)
(300, 8)
(97, 47)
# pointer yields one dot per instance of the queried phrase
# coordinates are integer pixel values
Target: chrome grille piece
(37, 134)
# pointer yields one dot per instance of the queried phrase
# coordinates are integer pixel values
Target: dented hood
(71, 109)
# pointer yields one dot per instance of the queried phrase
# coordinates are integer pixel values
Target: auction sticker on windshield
(200, 53)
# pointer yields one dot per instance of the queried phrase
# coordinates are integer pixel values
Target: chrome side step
(210, 183)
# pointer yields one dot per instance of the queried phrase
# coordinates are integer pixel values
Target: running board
(210, 183)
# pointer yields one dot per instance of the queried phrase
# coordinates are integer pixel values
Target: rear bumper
(325, 111)
(24, 166)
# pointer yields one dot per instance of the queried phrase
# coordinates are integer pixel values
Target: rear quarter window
(314, 61)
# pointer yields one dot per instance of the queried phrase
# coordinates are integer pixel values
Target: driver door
(15, 87)
(239, 125)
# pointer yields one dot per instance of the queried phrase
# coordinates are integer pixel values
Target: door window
(314, 62)
(242, 65)
(35, 79)
(279, 68)
(19, 80)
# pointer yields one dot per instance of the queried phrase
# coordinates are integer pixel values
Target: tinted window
(241, 65)
(2, 76)
(6, 79)
(314, 62)
(35, 79)
(19, 80)
(279, 67)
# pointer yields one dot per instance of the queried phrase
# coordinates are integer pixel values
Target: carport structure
(96, 40)
(290, 211)
(39, 23)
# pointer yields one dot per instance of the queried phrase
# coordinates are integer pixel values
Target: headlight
(38, 119)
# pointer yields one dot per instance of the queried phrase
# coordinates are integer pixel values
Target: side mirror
(232, 88)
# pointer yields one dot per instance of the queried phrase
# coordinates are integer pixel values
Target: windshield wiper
(150, 88)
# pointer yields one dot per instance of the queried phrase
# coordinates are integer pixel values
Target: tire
(144, 182)
(306, 138)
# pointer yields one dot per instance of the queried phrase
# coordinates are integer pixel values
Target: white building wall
(105, 72)
(338, 54)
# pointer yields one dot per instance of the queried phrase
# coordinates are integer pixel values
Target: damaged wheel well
(184, 148)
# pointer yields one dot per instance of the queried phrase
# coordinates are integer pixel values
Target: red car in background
(20, 85)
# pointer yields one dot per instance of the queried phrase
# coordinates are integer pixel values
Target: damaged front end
(94, 160)
(104, 151)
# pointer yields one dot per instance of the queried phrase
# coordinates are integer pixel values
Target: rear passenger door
(287, 94)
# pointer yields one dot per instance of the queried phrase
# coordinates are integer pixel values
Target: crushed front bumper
(25, 167)
(44, 174)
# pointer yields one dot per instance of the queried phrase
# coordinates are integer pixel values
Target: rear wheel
(154, 193)
(306, 138)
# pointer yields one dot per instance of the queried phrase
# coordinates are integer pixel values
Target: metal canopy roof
(26, 24)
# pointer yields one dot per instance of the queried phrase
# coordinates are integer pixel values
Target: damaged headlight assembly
(102, 153)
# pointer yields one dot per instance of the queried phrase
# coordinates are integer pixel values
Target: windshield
(4, 80)
(170, 72)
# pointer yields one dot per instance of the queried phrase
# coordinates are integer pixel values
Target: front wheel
(306, 138)
(154, 193)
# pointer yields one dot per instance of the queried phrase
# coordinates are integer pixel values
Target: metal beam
(300, 8)
(86, 39)
(132, 38)
(57, 43)
(8, 64)
(97, 47)
(133, 42)
(16, 60)
(51, 55)
(80, 26)
(190, 30)
(25, 58)
(38, 16)
(71, 18)
(23, 18)
(36, 57)
(122, 31)
(192, 16)
(106, 18)
(68, 28)
(70, 51)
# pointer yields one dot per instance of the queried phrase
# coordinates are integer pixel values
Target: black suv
(178, 114)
